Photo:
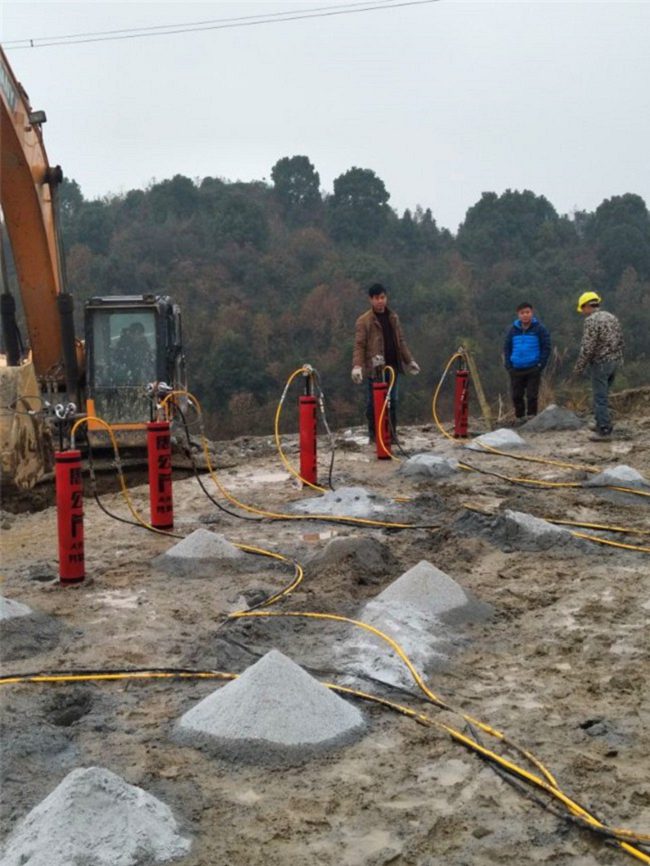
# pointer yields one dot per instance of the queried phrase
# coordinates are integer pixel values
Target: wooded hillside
(272, 276)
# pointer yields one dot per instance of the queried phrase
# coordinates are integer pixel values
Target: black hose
(197, 475)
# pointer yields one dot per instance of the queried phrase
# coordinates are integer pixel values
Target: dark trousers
(370, 406)
(524, 386)
(602, 379)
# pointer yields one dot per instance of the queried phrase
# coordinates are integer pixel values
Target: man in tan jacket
(378, 343)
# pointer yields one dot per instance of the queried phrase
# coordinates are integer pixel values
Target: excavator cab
(131, 342)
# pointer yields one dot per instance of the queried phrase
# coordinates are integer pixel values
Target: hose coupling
(63, 411)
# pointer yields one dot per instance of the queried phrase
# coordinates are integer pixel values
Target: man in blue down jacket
(525, 354)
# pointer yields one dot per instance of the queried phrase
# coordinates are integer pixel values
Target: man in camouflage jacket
(601, 351)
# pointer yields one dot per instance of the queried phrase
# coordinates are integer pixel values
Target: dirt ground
(561, 666)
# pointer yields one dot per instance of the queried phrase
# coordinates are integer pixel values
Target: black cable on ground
(95, 492)
(197, 475)
(330, 436)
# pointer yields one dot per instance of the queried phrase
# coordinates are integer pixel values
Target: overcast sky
(443, 100)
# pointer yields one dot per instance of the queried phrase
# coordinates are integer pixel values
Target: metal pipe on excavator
(10, 338)
(65, 305)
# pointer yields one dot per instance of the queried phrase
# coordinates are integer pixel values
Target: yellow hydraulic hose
(548, 784)
(120, 474)
(431, 696)
(114, 676)
(515, 480)
(541, 483)
(276, 426)
(489, 447)
(307, 371)
(298, 570)
(382, 414)
(621, 836)
(274, 515)
(609, 543)
(525, 458)
(423, 719)
(584, 535)
(434, 402)
(624, 529)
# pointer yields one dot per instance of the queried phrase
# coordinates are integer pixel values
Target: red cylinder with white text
(382, 433)
(461, 404)
(308, 438)
(159, 451)
(70, 516)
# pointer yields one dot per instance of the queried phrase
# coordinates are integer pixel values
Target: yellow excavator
(130, 342)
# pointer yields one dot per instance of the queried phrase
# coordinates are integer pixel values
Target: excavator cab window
(123, 351)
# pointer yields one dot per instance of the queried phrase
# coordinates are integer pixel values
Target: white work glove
(378, 361)
(414, 368)
(357, 375)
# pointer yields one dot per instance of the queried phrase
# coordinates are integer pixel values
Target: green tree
(93, 226)
(242, 221)
(505, 226)
(177, 197)
(358, 210)
(297, 188)
(628, 209)
(70, 200)
(620, 230)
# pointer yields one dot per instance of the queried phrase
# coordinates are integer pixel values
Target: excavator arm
(27, 186)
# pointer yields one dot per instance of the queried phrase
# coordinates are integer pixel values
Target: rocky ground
(560, 665)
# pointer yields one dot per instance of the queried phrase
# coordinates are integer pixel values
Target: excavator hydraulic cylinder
(70, 516)
(10, 329)
(65, 304)
(159, 453)
(382, 435)
(461, 404)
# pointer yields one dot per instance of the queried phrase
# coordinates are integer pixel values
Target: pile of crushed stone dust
(502, 439)
(10, 609)
(517, 530)
(198, 554)
(275, 710)
(95, 817)
(345, 501)
(553, 417)
(367, 559)
(428, 466)
(423, 611)
(425, 587)
(619, 476)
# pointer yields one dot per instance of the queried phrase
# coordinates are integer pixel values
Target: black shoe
(602, 434)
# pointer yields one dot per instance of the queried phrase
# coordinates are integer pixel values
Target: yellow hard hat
(586, 298)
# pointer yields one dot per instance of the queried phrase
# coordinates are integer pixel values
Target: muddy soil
(561, 665)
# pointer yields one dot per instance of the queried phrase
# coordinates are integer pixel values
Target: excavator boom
(27, 186)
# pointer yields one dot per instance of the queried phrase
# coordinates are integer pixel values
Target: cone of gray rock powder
(274, 712)
(95, 817)
(10, 609)
(423, 610)
(200, 554)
